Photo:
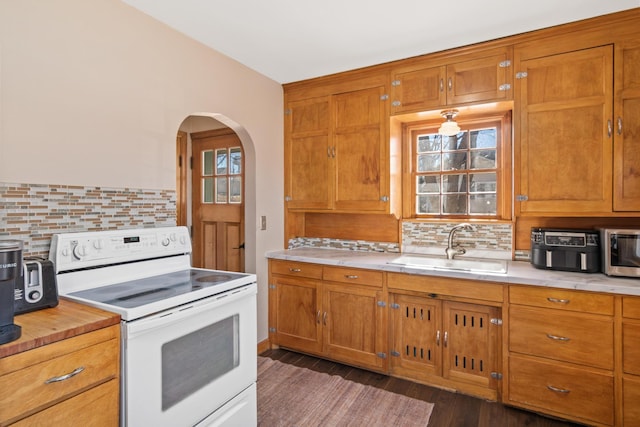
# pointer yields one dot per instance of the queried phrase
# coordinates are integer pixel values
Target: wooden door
(417, 336)
(563, 154)
(626, 163)
(298, 315)
(218, 200)
(470, 343)
(308, 155)
(483, 78)
(419, 89)
(354, 325)
(359, 119)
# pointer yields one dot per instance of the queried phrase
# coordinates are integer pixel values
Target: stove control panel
(72, 251)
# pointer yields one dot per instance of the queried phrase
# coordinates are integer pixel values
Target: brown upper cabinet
(430, 84)
(337, 150)
(577, 123)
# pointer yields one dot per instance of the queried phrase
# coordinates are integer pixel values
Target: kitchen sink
(472, 265)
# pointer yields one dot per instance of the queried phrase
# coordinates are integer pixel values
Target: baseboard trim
(264, 346)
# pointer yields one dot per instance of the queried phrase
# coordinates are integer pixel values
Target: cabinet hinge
(382, 355)
(287, 111)
(180, 161)
(272, 286)
(522, 198)
(496, 321)
(272, 329)
(396, 103)
(395, 353)
(504, 64)
(287, 198)
(382, 304)
(504, 87)
(496, 375)
(395, 83)
(521, 75)
(384, 97)
(384, 198)
(395, 306)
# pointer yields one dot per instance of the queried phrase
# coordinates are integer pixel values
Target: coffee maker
(10, 270)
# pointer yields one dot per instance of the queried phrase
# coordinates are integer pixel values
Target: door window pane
(221, 189)
(221, 162)
(235, 161)
(207, 190)
(207, 162)
(235, 189)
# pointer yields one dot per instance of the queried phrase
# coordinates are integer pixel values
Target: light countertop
(518, 272)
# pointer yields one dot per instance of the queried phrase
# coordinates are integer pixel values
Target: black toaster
(36, 288)
(567, 250)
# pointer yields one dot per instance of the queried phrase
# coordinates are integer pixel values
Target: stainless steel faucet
(452, 251)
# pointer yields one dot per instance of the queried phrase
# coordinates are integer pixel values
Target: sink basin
(473, 265)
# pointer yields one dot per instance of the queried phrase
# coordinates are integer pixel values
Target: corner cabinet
(337, 150)
(479, 77)
(334, 312)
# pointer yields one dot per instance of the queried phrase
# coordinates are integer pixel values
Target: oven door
(181, 365)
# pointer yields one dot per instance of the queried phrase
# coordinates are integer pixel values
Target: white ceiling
(292, 40)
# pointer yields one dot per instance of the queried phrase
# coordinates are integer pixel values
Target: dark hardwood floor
(450, 409)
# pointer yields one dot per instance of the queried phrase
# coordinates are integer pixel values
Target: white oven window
(192, 361)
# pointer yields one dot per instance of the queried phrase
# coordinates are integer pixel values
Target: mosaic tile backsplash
(487, 240)
(33, 212)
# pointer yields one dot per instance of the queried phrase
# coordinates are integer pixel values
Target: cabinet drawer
(353, 276)
(26, 391)
(571, 337)
(631, 307)
(463, 288)
(581, 394)
(293, 268)
(562, 299)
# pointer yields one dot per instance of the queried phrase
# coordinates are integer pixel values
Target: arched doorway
(215, 166)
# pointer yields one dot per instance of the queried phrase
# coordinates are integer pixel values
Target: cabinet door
(308, 165)
(470, 343)
(361, 159)
(479, 79)
(354, 325)
(297, 313)
(417, 336)
(563, 153)
(631, 397)
(626, 163)
(418, 89)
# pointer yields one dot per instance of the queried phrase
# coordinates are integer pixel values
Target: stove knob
(98, 244)
(166, 241)
(79, 252)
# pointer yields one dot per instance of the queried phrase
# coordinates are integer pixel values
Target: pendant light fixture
(449, 127)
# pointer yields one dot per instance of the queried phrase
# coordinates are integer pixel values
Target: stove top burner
(136, 293)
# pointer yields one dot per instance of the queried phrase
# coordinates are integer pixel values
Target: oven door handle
(156, 321)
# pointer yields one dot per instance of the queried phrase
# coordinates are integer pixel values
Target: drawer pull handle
(65, 377)
(559, 301)
(295, 270)
(318, 317)
(438, 338)
(350, 276)
(446, 338)
(558, 390)
(557, 338)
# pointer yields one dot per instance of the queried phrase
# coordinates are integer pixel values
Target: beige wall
(93, 93)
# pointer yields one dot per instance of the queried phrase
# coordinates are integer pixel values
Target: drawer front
(562, 299)
(463, 288)
(631, 307)
(27, 390)
(353, 276)
(580, 394)
(300, 269)
(566, 336)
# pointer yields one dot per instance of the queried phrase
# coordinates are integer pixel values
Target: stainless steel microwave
(620, 251)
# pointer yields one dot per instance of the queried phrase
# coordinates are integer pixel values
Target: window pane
(454, 183)
(207, 190)
(454, 161)
(454, 204)
(235, 189)
(429, 143)
(482, 182)
(455, 142)
(207, 163)
(483, 159)
(429, 163)
(483, 138)
(428, 204)
(235, 161)
(484, 204)
(428, 184)
(221, 190)
(221, 162)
